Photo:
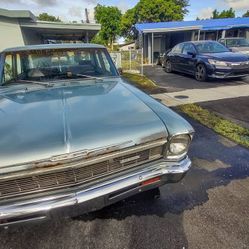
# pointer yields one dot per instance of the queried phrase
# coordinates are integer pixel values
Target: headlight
(218, 63)
(178, 146)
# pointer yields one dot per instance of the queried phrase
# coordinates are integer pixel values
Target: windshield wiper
(70, 75)
(87, 76)
(46, 84)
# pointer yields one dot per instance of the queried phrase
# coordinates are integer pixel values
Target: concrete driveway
(175, 82)
(208, 209)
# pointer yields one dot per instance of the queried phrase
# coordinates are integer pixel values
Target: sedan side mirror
(193, 54)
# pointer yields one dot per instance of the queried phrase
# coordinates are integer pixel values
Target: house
(127, 46)
(156, 38)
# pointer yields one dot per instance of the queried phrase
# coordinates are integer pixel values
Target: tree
(153, 11)
(48, 18)
(97, 39)
(223, 14)
(246, 14)
(127, 22)
(110, 19)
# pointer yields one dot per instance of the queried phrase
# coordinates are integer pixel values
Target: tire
(201, 73)
(168, 67)
(242, 78)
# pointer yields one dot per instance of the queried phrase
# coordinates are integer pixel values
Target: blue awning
(210, 24)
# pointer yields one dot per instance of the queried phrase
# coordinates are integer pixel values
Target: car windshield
(53, 64)
(210, 47)
(238, 42)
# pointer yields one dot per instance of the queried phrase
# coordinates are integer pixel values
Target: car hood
(228, 56)
(240, 49)
(40, 123)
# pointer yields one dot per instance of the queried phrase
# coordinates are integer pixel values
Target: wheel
(168, 67)
(201, 73)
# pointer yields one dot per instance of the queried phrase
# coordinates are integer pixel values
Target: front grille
(72, 176)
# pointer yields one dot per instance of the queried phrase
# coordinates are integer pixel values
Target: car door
(175, 56)
(188, 58)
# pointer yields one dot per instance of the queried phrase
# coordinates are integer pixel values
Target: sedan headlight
(178, 146)
(218, 63)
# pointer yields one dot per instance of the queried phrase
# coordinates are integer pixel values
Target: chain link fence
(129, 61)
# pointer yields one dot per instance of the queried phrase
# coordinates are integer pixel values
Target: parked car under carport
(236, 44)
(206, 59)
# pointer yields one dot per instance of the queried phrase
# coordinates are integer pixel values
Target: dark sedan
(206, 59)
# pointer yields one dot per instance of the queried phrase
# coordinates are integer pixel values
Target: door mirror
(193, 54)
(120, 70)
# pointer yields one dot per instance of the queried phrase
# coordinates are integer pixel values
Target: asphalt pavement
(207, 209)
(175, 82)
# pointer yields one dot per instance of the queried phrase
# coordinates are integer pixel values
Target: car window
(222, 41)
(48, 64)
(178, 49)
(237, 42)
(188, 47)
(210, 47)
(8, 68)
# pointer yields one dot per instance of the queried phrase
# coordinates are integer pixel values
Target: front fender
(174, 123)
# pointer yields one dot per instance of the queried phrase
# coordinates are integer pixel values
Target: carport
(156, 38)
(21, 27)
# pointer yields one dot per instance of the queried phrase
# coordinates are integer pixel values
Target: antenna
(87, 15)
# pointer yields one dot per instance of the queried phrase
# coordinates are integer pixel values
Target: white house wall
(10, 33)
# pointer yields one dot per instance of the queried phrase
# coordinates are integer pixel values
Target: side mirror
(193, 54)
(120, 70)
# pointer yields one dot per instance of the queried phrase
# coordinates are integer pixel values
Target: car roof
(196, 42)
(53, 46)
(203, 41)
(234, 38)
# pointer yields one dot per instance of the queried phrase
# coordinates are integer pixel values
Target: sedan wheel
(201, 73)
(168, 67)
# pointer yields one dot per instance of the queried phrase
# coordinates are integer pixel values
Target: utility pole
(87, 15)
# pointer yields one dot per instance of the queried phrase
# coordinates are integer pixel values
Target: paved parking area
(228, 98)
(208, 209)
(175, 82)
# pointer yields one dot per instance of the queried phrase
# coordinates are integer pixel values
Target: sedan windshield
(237, 42)
(54, 64)
(210, 47)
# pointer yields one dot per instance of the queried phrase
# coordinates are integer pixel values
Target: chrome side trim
(45, 204)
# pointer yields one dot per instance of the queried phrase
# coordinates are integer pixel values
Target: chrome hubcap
(200, 72)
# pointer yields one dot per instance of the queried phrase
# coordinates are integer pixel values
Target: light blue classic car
(76, 137)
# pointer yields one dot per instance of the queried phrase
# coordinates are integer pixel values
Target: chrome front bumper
(95, 197)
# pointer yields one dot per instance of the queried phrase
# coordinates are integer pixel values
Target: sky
(73, 10)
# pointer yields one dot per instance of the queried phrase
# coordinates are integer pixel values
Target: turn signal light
(150, 181)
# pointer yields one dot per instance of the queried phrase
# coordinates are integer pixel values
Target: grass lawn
(220, 125)
(140, 81)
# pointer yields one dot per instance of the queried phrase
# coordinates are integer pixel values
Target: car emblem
(126, 160)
